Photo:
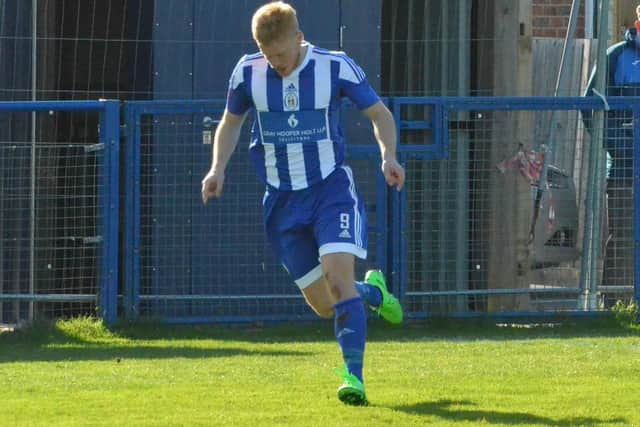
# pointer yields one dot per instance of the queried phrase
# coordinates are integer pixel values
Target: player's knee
(335, 285)
(320, 305)
(324, 312)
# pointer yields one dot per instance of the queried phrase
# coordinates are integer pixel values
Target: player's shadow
(100, 352)
(50, 343)
(466, 411)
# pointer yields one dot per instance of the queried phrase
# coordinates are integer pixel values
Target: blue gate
(59, 222)
(462, 240)
(187, 262)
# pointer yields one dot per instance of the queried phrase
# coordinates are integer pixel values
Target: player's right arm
(228, 132)
(225, 141)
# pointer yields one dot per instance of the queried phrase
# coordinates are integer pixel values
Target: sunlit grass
(464, 373)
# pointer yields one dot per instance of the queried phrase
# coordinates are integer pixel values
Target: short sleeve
(354, 84)
(362, 94)
(238, 99)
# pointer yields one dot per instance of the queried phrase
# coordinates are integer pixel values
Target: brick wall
(550, 18)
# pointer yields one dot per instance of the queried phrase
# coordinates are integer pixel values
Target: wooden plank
(511, 205)
(624, 17)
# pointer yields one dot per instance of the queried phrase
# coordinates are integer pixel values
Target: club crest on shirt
(290, 100)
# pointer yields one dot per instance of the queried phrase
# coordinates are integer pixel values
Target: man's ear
(630, 35)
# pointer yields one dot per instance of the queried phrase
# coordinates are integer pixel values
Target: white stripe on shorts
(310, 277)
(357, 221)
(350, 248)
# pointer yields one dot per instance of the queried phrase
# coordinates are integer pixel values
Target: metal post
(462, 157)
(588, 19)
(462, 214)
(393, 261)
(400, 253)
(382, 214)
(132, 213)
(588, 280)
(32, 207)
(596, 206)
(110, 137)
(636, 201)
(443, 270)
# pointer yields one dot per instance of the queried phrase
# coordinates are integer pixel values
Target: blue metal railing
(434, 119)
(109, 194)
(134, 112)
(392, 207)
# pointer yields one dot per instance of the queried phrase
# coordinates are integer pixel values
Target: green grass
(459, 373)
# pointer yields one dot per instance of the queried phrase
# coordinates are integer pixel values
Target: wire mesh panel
(364, 160)
(482, 238)
(618, 265)
(196, 262)
(53, 189)
(472, 233)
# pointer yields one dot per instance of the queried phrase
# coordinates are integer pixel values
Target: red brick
(540, 21)
(563, 10)
(544, 32)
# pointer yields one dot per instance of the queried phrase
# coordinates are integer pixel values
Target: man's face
(283, 53)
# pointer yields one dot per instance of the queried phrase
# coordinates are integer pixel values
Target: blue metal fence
(636, 201)
(107, 205)
(213, 282)
(186, 263)
(444, 131)
(429, 130)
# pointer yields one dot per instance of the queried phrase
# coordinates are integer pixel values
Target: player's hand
(212, 185)
(393, 173)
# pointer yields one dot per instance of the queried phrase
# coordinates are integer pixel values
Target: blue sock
(351, 332)
(369, 294)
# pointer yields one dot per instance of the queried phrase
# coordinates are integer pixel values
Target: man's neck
(302, 52)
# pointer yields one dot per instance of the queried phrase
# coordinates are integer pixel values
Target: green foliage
(628, 314)
(84, 329)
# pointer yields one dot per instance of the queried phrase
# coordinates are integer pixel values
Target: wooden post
(511, 201)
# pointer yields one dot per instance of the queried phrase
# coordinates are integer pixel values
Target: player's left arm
(384, 129)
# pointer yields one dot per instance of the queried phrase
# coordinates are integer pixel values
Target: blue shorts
(326, 218)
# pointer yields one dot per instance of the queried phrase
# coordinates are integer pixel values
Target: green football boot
(351, 392)
(390, 309)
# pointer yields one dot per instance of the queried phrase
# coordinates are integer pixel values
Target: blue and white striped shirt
(296, 139)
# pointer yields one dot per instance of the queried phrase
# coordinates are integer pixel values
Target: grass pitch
(77, 372)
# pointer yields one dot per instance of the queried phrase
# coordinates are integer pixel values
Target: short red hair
(272, 21)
